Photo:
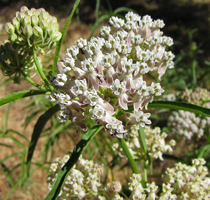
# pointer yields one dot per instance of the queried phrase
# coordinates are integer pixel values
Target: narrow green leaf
(204, 151)
(19, 95)
(143, 143)
(180, 106)
(128, 155)
(62, 174)
(16, 141)
(122, 9)
(37, 132)
(58, 47)
(97, 23)
(142, 139)
(7, 174)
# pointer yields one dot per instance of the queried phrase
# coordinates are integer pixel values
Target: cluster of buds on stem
(188, 124)
(29, 31)
(33, 28)
(104, 77)
(83, 181)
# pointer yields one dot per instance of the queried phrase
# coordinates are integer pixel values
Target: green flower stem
(129, 156)
(41, 73)
(145, 172)
(32, 82)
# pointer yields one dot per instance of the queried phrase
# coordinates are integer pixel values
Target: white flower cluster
(83, 181)
(200, 96)
(188, 182)
(183, 182)
(187, 124)
(104, 76)
(155, 141)
(137, 190)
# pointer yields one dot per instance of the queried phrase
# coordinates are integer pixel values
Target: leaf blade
(86, 139)
(37, 132)
(19, 95)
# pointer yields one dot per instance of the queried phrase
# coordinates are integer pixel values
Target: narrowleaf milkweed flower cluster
(33, 29)
(189, 124)
(186, 124)
(155, 141)
(105, 76)
(188, 182)
(84, 182)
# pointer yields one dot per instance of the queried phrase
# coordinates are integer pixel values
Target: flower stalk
(129, 156)
(41, 73)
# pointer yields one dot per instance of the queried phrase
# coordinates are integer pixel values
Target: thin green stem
(32, 82)
(129, 156)
(145, 172)
(194, 79)
(41, 73)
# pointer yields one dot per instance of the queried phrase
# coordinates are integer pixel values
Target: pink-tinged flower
(79, 87)
(138, 118)
(116, 128)
(140, 95)
(93, 78)
(93, 99)
(127, 74)
(119, 89)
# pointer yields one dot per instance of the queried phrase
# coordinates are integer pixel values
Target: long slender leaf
(7, 174)
(37, 131)
(142, 140)
(62, 174)
(97, 23)
(58, 47)
(122, 9)
(180, 106)
(19, 95)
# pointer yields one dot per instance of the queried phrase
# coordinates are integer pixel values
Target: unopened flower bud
(43, 24)
(10, 29)
(56, 36)
(28, 31)
(116, 186)
(54, 20)
(29, 12)
(16, 23)
(26, 20)
(43, 15)
(37, 31)
(34, 20)
(23, 9)
(21, 16)
(13, 38)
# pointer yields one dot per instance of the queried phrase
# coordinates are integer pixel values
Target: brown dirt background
(37, 186)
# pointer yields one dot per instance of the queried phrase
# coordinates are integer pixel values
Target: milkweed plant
(103, 86)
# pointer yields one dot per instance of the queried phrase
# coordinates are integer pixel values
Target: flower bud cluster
(29, 30)
(155, 141)
(137, 190)
(34, 27)
(187, 124)
(105, 76)
(181, 182)
(188, 182)
(200, 96)
(82, 182)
